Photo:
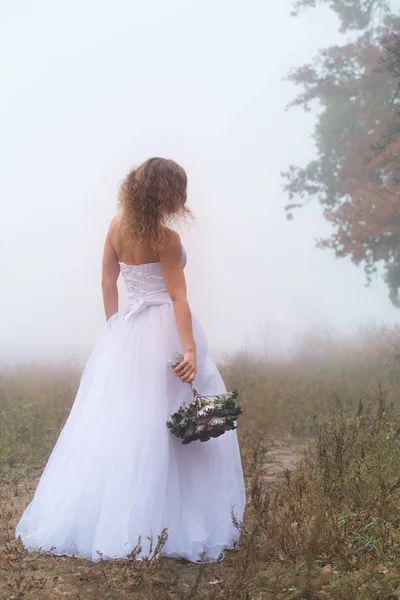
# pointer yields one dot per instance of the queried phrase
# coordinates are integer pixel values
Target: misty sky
(89, 89)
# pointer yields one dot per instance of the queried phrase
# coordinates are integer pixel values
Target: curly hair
(150, 196)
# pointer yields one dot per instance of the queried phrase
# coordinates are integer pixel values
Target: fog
(89, 89)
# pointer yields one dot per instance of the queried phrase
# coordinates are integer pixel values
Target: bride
(116, 473)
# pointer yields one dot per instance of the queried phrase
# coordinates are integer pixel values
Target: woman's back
(117, 474)
(128, 251)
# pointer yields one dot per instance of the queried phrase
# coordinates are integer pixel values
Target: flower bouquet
(205, 417)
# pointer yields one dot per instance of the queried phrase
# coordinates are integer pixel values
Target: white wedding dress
(116, 472)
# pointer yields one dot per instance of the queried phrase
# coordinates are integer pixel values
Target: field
(320, 443)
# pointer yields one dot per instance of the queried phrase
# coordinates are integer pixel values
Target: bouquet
(205, 417)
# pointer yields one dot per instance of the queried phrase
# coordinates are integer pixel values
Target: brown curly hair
(150, 196)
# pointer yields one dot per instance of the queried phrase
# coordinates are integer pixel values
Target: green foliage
(356, 175)
(34, 404)
(336, 515)
(353, 14)
(205, 418)
(287, 396)
(329, 529)
(393, 282)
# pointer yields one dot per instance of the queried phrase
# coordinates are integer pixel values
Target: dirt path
(281, 457)
(37, 576)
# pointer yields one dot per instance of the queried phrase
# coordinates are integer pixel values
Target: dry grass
(294, 394)
(330, 528)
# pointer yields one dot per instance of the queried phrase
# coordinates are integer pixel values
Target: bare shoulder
(114, 232)
(115, 225)
(172, 247)
(173, 238)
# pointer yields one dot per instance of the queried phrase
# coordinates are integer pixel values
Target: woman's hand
(186, 370)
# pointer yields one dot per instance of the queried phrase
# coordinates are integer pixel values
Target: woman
(116, 473)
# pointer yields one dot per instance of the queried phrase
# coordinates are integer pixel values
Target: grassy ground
(325, 526)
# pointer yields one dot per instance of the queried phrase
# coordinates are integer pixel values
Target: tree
(356, 176)
(353, 14)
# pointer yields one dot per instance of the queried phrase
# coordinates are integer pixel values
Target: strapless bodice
(145, 285)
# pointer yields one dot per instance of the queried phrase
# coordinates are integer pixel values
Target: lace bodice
(145, 284)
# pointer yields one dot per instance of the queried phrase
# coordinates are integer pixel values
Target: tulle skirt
(116, 473)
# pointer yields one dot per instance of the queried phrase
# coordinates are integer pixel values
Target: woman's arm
(110, 274)
(172, 268)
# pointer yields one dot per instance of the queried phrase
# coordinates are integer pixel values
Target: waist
(138, 303)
